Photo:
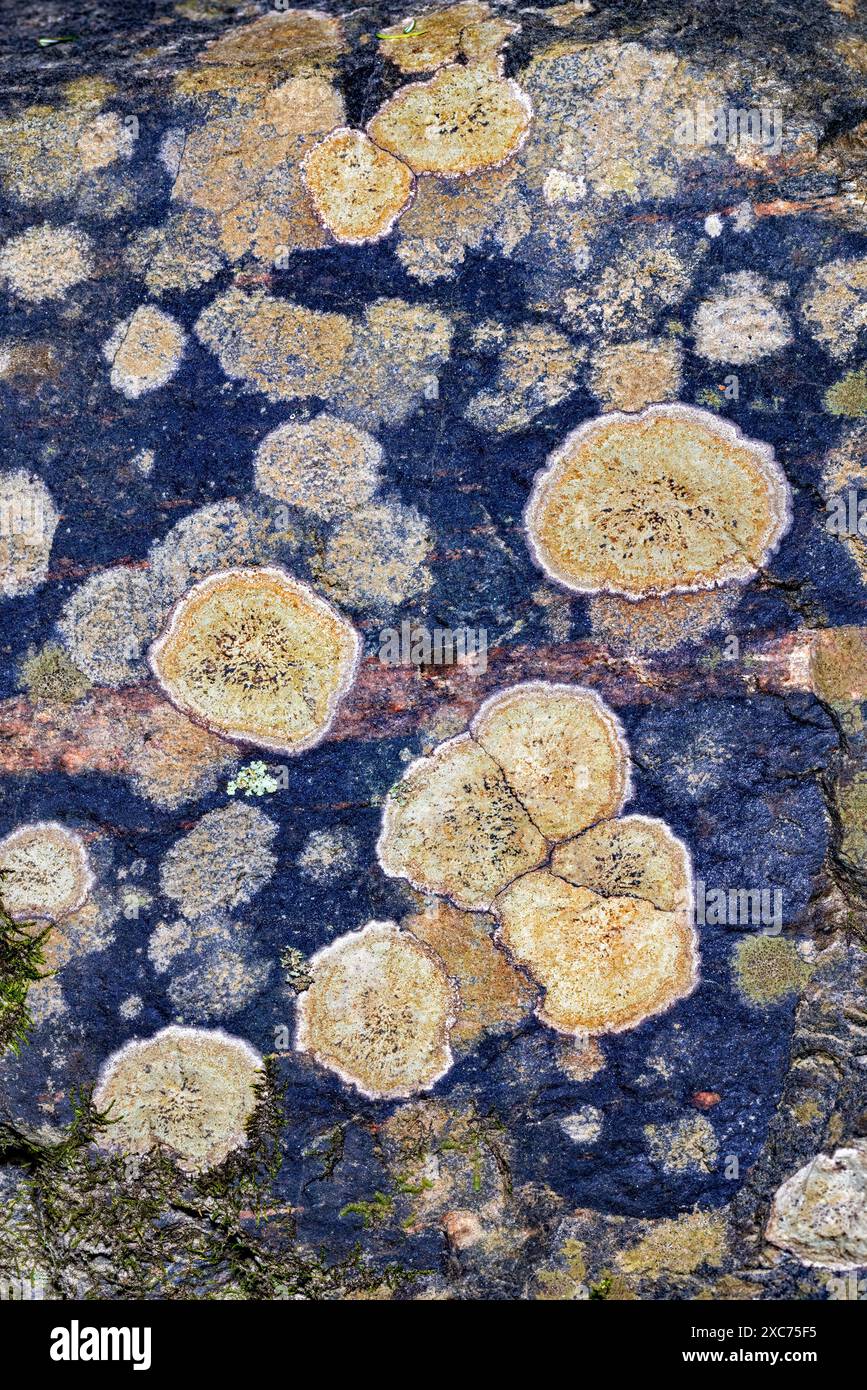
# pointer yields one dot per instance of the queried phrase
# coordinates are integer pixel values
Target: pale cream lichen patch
(605, 964)
(46, 871)
(182, 254)
(44, 262)
(375, 559)
(450, 217)
(562, 752)
(393, 363)
(186, 1091)
(834, 304)
(358, 191)
(379, 1012)
(537, 370)
(47, 152)
(222, 862)
(453, 826)
(223, 535)
(174, 760)
(28, 521)
(144, 351)
(629, 376)
(257, 656)
(635, 856)
(107, 623)
(325, 466)
(741, 322)
(819, 1215)
(468, 31)
(671, 499)
(640, 626)
(103, 140)
(328, 855)
(687, 1145)
(282, 38)
(463, 120)
(651, 271)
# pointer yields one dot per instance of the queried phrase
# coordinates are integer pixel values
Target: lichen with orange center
(635, 856)
(463, 120)
(257, 656)
(670, 499)
(379, 1012)
(468, 30)
(358, 191)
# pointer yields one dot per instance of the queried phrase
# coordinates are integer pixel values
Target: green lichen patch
(768, 968)
(848, 396)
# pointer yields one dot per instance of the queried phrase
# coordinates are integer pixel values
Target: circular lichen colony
(379, 1012)
(463, 120)
(358, 191)
(46, 871)
(671, 499)
(189, 1091)
(256, 656)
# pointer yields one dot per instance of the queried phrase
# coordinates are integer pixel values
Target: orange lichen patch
(188, 1091)
(450, 217)
(282, 39)
(633, 857)
(173, 760)
(462, 120)
(464, 31)
(281, 348)
(46, 871)
(452, 826)
(605, 964)
(562, 752)
(838, 664)
(379, 1012)
(670, 499)
(493, 993)
(358, 190)
(629, 376)
(256, 656)
(324, 466)
(537, 370)
(145, 351)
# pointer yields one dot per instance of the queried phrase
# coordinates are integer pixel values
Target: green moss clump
(848, 396)
(50, 675)
(768, 968)
(22, 962)
(373, 1212)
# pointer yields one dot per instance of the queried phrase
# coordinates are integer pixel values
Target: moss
(49, 674)
(373, 1212)
(848, 396)
(22, 961)
(767, 968)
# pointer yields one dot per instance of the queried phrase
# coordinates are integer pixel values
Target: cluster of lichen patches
(652, 271)
(45, 262)
(819, 1215)
(215, 970)
(450, 217)
(222, 862)
(187, 1091)
(328, 855)
(375, 560)
(358, 191)
(28, 521)
(494, 995)
(636, 627)
(49, 152)
(223, 535)
(741, 322)
(669, 499)
(256, 656)
(466, 32)
(629, 376)
(537, 370)
(687, 1145)
(379, 1012)
(834, 305)
(107, 623)
(173, 760)
(679, 1246)
(182, 254)
(46, 872)
(769, 969)
(144, 351)
(461, 121)
(635, 856)
(324, 466)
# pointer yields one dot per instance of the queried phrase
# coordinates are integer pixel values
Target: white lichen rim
(776, 483)
(86, 876)
(517, 92)
(247, 573)
(235, 1140)
(303, 1041)
(389, 227)
(688, 908)
(389, 806)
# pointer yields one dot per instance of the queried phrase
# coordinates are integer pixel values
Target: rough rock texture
(225, 353)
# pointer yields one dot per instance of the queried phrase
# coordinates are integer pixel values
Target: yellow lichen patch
(678, 1246)
(452, 826)
(379, 1012)
(605, 964)
(450, 217)
(187, 1091)
(280, 348)
(493, 993)
(670, 499)
(629, 376)
(358, 190)
(639, 626)
(144, 351)
(467, 30)
(324, 466)
(463, 120)
(768, 969)
(537, 370)
(46, 872)
(255, 655)
(838, 665)
(28, 521)
(282, 38)
(633, 857)
(562, 753)
(835, 304)
(44, 262)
